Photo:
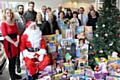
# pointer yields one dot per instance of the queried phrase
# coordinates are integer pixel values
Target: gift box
(89, 72)
(112, 78)
(82, 63)
(57, 76)
(79, 72)
(47, 70)
(80, 31)
(85, 78)
(88, 32)
(44, 78)
(69, 67)
(51, 48)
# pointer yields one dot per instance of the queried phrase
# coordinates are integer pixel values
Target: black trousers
(12, 67)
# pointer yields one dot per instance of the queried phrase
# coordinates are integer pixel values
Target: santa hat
(30, 23)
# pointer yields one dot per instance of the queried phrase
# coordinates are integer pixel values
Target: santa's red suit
(39, 55)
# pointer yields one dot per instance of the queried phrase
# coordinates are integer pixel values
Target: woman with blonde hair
(43, 25)
(52, 23)
(11, 40)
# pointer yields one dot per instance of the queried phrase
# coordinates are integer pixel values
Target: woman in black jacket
(52, 23)
(69, 14)
(43, 25)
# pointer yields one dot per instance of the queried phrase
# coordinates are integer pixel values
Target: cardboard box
(50, 38)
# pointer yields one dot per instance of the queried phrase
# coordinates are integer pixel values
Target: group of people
(23, 32)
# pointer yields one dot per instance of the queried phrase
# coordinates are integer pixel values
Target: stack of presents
(68, 53)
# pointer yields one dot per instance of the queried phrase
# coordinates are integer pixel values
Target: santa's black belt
(33, 49)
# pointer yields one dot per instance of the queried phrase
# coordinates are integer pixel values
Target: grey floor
(5, 75)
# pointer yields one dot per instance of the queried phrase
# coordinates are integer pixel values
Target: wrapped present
(80, 31)
(44, 78)
(79, 72)
(88, 32)
(57, 76)
(51, 47)
(112, 78)
(89, 72)
(82, 63)
(47, 70)
(69, 67)
(65, 76)
(85, 78)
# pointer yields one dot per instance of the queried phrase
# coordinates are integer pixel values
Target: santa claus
(34, 49)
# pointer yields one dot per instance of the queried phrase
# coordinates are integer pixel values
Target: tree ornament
(107, 8)
(103, 25)
(93, 53)
(96, 26)
(119, 35)
(101, 51)
(90, 47)
(96, 35)
(111, 44)
(106, 35)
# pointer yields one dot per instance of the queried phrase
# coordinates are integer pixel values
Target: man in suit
(20, 21)
(83, 17)
(44, 13)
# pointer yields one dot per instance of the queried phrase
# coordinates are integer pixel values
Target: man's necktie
(44, 16)
(81, 19)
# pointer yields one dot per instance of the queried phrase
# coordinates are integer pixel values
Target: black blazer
(44, 27)
(55, 26)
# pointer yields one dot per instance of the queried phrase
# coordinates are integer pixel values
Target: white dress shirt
(83, 18)
(43, 16)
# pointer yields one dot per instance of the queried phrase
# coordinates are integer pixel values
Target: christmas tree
(106, 38)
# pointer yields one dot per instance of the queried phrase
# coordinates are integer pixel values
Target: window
(100, 1)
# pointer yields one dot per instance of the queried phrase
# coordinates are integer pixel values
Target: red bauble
(119, 35)
(106, 35)
(93, 53)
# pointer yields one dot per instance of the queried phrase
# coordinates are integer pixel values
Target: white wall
(49, 3)
(85, 4)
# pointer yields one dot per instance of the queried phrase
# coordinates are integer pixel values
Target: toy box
(79, 72)
(51, 47)
(88, 32)
(69, 67)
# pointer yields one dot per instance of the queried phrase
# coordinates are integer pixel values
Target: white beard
(34, 36)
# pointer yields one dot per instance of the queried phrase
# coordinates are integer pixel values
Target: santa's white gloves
(28, 54)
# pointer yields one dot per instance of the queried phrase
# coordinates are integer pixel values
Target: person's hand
(16, 43)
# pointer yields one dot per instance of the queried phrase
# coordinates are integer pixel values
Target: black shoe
(18, 76)
(18, 69)
(0, 73)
